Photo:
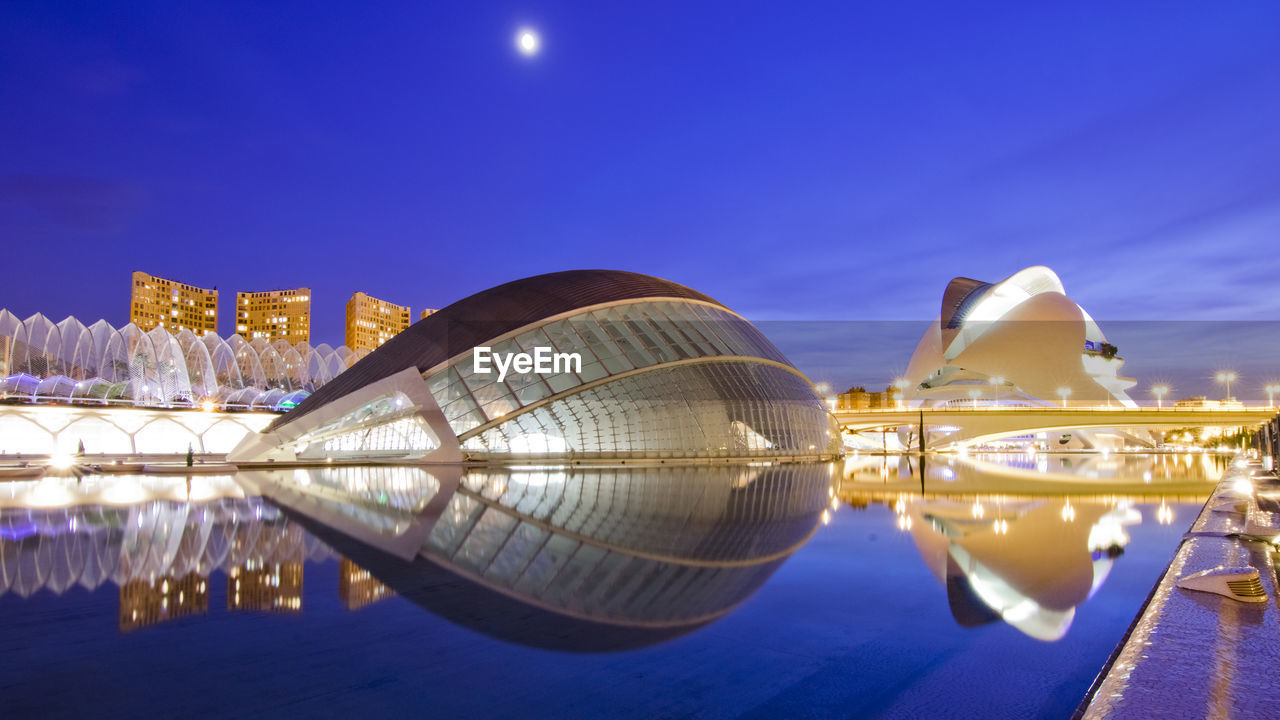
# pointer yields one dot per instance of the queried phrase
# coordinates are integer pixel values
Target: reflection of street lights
(1271, 394)
(997, 382)
(1227, 376)
(1065, 393)
(974, 393)
(1160, 391)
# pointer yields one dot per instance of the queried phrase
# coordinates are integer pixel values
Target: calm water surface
(997, 590)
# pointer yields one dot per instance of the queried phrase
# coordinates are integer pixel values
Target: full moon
(528, 42)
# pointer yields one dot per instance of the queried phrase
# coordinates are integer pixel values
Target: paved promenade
(1197, 654)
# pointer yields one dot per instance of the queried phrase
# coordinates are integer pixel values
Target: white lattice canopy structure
(100, 364)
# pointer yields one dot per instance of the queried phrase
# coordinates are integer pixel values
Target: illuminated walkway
(1199, 654)
(48, 429)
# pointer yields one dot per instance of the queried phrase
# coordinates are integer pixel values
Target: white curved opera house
(1020, 341)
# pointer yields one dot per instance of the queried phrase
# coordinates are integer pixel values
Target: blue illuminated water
(854, 624)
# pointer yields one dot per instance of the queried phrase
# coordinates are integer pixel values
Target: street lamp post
(1272, 389)
(973, 394)
(1160, 391)
(1065, 393)
(1227, 376)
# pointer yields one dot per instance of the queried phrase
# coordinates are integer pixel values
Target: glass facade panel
(454, 524)
(485, 540)
(544, 567)
(722, 409)
(516, 554)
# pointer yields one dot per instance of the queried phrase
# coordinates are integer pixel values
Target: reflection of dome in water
(1032, 571)
(661, 371)
(579, 560)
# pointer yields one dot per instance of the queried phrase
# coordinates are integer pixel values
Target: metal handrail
(1059, 410)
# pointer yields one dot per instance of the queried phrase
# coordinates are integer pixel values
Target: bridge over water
(980, 424)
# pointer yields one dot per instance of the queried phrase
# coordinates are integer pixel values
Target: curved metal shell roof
(487, 315)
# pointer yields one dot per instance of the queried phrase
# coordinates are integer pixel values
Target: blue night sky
(824, 162)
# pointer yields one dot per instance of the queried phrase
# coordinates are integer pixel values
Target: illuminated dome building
(1020, 341)
(665, 372)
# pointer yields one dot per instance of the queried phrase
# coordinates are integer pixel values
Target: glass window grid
(724, 411)
(585, 578)
(525, 541)
(546, 563)
(485, 540)
(610, 341)
(454, 524)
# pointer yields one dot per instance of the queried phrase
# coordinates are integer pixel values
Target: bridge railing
(1061, 410)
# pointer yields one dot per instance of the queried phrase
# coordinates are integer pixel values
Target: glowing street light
(1272, 389)
(1065, 393)
(824, 390)
(901, 384)
(1227, 376)
(974, 393)
(997, 382)
(1160, 391)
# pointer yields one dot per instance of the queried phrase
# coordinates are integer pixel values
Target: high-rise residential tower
(275, 314)
(160, 302)
(371, 322)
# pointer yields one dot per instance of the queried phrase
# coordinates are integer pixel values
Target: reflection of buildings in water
(274, 587)
(586, 559)
(1192, 472)
(154, 549)
(1029, 563)
(147, 602)
(580, 559)
(1145, 467)
(358, 587)
(53, 491)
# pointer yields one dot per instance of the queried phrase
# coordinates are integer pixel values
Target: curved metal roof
(487, 315)
(958, 298)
